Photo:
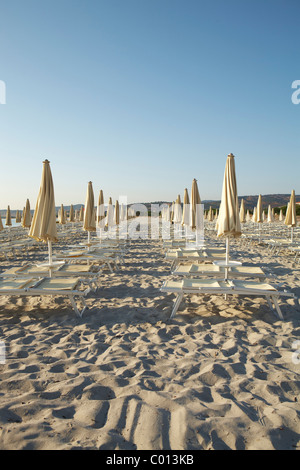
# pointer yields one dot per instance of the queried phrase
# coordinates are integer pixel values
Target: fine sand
(223, 374)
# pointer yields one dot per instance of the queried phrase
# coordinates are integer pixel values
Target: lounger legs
(173, 265)
(277, 308)
(79, 312)
(176, 305)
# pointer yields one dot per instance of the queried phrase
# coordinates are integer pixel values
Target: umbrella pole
(292, 234)
(227, 259)
(50, 257)
(89, 240)
(50, 252)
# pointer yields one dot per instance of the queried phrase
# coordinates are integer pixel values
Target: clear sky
(142, 96)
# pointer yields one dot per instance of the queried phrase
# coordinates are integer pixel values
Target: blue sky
(142, 96)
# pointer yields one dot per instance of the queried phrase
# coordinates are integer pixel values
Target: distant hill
(275, 200)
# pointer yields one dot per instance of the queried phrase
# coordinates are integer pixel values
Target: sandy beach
(222, 374)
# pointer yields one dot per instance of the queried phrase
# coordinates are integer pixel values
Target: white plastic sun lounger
(64, 287)
(91, 257)
(88, 274)
(231, 287)
(182, 255)
(211, 270)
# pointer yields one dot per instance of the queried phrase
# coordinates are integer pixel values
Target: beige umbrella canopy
(210, 216)
(81, 214)
(72, 214)
(123, 212)
(117, 213)
(172, 211)
(186, 209)
(26, 222)
(43, 226)
(270, 214)
(62, 215)
(177, 217)
(280, 215)
(291, 217)
(196, 214)
(259, 216)
(101, 211)
(195, 203)
(89, 222)
(242, 212)
(18, 217)
(110, 214)
(254, 217)
(229, 217)
(8, 217)
(1, 224)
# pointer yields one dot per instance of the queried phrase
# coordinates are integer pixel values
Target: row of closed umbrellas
(230, 215)
(24, 219)
(43, 225)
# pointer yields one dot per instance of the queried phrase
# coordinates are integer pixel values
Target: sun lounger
(211, 270)
(88, 274)
(231, 287)
(91, 257)
(182, 255)
(295, 250)
(63, 287)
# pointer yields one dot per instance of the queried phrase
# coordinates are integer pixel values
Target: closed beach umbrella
(117, 213)
(291, 218)
(270, 214)
(1, 224)
(195, 205)
(101, 211)
(177, 218)
(196, 214)
(177, 211)
(186, 213)
(8, 217)
(168, 214)
(81, 214)
(123, 212)
(172, 212)
(229, 217)
(248, 216)
(280, 215)
(89, 222)
(210, 216)
(242, 212)
(72, 214)
(18, 217)
(259, 210)
(26, 222)
(62, 215)
(43, 226)
(110, 214)
(259, 214)
(254, 216)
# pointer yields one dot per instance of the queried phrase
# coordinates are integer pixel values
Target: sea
(13, 223)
